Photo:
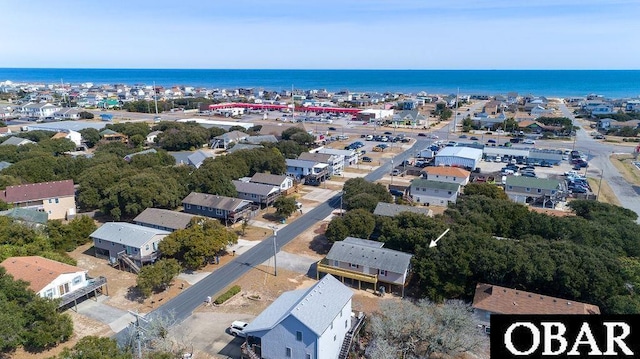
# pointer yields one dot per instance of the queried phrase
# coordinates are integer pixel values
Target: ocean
(552, 83)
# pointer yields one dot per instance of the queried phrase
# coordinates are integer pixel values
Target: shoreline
(617, 84)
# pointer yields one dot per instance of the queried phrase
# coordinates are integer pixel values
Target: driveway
(207, 332)
(116, 319)
(319, 195)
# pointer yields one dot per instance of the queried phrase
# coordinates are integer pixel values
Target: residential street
(181, 306)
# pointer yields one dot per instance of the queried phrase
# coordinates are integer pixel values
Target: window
(331, 325)
(287, 352)
(210, 209)
(353, 265)
(308, 356)
(510, 187)
(219, 211)
(527, 189)
(99, 240)
(187, 206)
(345, 323)
(57, 200)
(449, 192)
(382, 272)
(299, 336)
(334, 338)
(146, 247)
(77, 280)
(198, 207)
(50, 200)
(539, 190)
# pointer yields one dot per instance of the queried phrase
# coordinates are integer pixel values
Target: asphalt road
(182, 306)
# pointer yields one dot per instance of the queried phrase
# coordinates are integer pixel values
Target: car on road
(491, 141)
(366, 159)
(462, 136)
(237, 328)
(332, 129)
(474, 138)
(422, 134)
(388, 133)
(529, 142)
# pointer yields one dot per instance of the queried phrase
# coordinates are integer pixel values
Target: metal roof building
(466, 157)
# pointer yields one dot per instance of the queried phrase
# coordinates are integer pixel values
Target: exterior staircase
(130, 263)
(348, 338)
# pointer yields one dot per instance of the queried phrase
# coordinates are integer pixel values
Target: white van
(498, 159)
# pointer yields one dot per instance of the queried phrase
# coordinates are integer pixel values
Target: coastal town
(252, 223)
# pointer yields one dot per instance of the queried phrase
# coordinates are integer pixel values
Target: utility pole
(138, 331)
(155, 97)
(275, 251)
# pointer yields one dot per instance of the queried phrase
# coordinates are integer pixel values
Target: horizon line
(303, 69)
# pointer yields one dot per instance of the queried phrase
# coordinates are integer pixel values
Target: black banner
(565, 336)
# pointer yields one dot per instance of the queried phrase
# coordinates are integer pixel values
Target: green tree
(356, 186)
(137, 140)
(285, 206)
(336, 230)
(158, 276)
(485, 189)
(196, 245)
(91, 136)
(85, 115)
(46, 327)
(92, 347)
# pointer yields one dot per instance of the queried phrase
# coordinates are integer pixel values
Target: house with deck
(163, 219)
(261, 194)
(365, 261)
(311, 172)
(546, 192)
(335, 162)
(53, 279)
(310, 323)
(56, 198)
(283, 182)
(128, 245)
(350, 157)
(226, 139)
(433, 193)
(227, 209)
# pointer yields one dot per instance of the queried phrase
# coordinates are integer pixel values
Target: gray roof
(26, 214)
(128, 234)
(257, 188)
(164, 218)
(392, 210)
(243, 146)
(16, 141)
(380, 258)
(215, 201)
(195, 159)
(232, 136)
(532, 182)
(182, 157)
(66, 125)
(267, 178)
(363, 242)
(145, 152)
(420, 182)
(315, 307)
(300, 163)
(317, 157)
(261, 138)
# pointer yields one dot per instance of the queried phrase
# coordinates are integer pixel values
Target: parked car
(396, 172)
(529, 142)
(462, 136)
(397, 193)
(528, 174)
(369, 138)
(237, 328)
(366, 159)
(388, 133)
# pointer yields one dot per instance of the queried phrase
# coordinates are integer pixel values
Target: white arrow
(435, 243)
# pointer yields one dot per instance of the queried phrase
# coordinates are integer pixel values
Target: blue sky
(328, 34)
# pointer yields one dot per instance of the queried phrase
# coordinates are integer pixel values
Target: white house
(433, 193)
(151, 137)
(299, 168)
(39, 110)
(283, 182)
(335, 162)
(304, 324)
(447, 174)
(46, 277)
(350, 156)
(67, 114)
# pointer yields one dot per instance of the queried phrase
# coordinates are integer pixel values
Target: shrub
(228, 294)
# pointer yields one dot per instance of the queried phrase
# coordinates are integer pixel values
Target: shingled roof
(36, 270)
(501, 300)
(214, 201)
(37, 191)
(163, 218)
(349, 251)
